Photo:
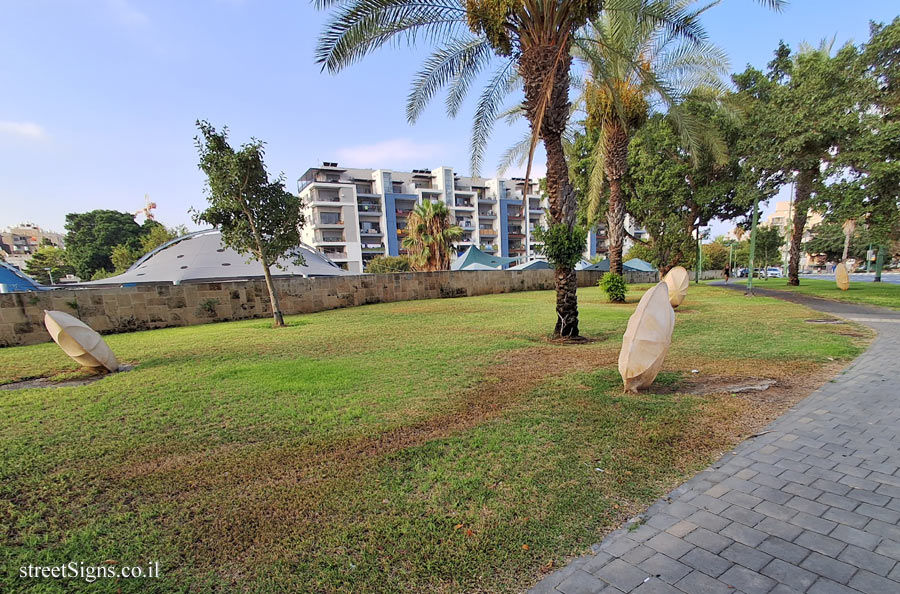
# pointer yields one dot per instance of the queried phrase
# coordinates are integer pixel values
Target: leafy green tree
(634, 60)
(255, 215)
(91, 237)
(867, 167)
(828, 238)
(430, 236)
(387, 264)
(48, 256)
(801, 113)
(123, 256)
(672, 192)
(715, 255)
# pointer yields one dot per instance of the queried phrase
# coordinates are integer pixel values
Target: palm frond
(501, 84)
(457, 62)
(359, 27)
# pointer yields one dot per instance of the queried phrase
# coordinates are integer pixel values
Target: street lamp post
(50, 272)
(752, 244)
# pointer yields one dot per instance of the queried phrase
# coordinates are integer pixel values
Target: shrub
(385, 264)
(614, 286)
(562, 246)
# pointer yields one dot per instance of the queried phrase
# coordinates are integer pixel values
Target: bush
(562, 246)
(386, 264)
(614, 286)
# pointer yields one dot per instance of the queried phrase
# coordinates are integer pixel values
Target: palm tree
(531, 39)
(634, 65)
(430, 236)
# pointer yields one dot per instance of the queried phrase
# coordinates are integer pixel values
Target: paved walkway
(813, 505)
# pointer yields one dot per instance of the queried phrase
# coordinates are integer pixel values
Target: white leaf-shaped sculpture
(678, 281)
(80, 341)
(647, 339)
(841, 277)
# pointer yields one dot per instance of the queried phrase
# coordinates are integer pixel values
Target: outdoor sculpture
(80, 341)
(678, 281)
(647, 339)
(842, 277)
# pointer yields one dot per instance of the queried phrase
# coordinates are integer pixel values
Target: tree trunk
(566, 303)
(616, 162)
(535, 65)
(801, 208)
(273, 296)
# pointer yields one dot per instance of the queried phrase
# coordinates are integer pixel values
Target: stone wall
(123, 309)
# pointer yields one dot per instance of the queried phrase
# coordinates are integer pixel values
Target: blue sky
(100, 96)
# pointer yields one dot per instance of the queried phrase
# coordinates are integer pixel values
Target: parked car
(773, 272)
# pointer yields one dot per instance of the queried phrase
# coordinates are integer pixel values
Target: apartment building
(20, 242)
(782, 218)
(354, 215)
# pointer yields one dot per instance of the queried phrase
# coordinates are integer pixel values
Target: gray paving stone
(709, 563)
(743, 534)
(842, 516)
(878, 512)
(747, 581)
(748, 557)
(833, 569)
(700, 583)
(664, 568)
(622, 575)
(868, 582)
(823, 544)
(874, 562)
(682, 528)
(813, 523)
(669, 545)
(655, 586)
(789, 575)
(778, 528)
(782, 549)
(581, 582)
(826, 586)
(856, 537)
(710, 541)
(638, 554)
(745, 516)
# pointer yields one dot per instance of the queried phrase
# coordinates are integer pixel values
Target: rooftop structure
(202, 257)
(20, 242)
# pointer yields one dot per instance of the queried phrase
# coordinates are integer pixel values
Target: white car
(773, 272)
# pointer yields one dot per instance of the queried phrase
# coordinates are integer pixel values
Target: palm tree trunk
(615, 164)
(801, 208)
(551, 114)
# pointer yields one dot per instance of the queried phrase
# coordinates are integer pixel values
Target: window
(330, 218)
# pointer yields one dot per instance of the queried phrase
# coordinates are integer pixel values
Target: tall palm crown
(532, 40)
(430, 236)
(635, 64)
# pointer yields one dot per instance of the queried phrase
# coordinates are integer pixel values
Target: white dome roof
(202, 257)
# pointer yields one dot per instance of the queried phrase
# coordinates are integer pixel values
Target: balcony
(337, 255)
(514, 232)
(487, 247)
(372, 247)
(487, 214)
(487, 232)
(404, 212)
(330, 238)
(323, 195)
(330, 219)
(514, 216)
(465, 223)
(463, 204)
(370, 231)
(364, 188)
(369, 209)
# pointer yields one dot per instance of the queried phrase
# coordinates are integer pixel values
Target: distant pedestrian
(727, 274)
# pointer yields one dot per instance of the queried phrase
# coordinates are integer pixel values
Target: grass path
(439, 445)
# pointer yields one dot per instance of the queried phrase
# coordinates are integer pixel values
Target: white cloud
(27, 130)
(396, 153)
(126, 13)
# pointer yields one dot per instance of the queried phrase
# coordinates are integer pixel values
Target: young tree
(801, 114)
(48, 257)
(430, 237)
(256, 215)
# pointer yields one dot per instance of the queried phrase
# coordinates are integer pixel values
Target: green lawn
(425, 446)
(867, 293)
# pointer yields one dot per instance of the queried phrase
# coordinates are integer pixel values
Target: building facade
(354, 215)
(20, 242)
(782, 218)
